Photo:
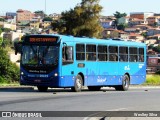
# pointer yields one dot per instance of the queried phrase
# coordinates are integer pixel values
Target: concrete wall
(14, 58)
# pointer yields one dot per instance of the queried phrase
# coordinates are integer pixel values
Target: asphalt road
(136, 99)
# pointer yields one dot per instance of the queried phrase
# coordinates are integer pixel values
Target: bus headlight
(55, 74)
(22, 73)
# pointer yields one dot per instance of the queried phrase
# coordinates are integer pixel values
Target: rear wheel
(42, 88)
(125, 84)
(78, 84)
(94, 88)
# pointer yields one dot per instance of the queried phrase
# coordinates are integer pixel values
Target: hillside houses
(25, 22)
(139, 26)
(139, 23)
(142, 23)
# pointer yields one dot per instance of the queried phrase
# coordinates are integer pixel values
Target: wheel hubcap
(78, 82)
(125, 82)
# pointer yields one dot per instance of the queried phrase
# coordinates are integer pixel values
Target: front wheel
(78, 84)
(125, 84)
(42, 88)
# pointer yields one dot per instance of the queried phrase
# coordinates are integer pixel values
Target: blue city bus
(60, 61)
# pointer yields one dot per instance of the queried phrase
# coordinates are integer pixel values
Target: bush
(1, 40)
(13, 72)
(152, 80)
(9, 72)
(3, 80)
(6, 42)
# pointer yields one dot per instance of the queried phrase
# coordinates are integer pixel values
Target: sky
(58, 6)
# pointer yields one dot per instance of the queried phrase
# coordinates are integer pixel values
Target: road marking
(97, 118)
(118, 109)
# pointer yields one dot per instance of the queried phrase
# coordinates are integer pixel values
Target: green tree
(40, 13)
(8, 71)
(155, 24)
(6, 42)
(83, 20)
(151, 46)
(1, 40)
(59, 26)
(6, 29)
(121, 26)
(144, 34)
(156, 49)
(47, 19)
(118, 15)
(2, 19)
(0, 31)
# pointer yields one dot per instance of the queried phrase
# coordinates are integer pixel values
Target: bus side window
(80, 52)
(141, 54)
(102, 52)
(91, 52)
(133, 54)
(67, 54)
(123, 54)
(113, 53)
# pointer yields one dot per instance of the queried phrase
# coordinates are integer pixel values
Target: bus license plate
(37, 81)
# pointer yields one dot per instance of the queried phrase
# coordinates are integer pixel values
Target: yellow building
(46, 24)
(34, 24)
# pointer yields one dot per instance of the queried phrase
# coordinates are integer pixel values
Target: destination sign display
(42, 39)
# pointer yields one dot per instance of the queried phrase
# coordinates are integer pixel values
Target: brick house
(24, 15)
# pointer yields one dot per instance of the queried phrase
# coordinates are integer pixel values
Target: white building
(12, 20)
(107, 23)
(8, 25)
(13, 36)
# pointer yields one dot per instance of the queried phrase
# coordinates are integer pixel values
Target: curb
(136, 87)
(16, 88)
(144, 86)
(33, 88)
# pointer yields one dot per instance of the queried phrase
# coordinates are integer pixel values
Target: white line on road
(97, 118)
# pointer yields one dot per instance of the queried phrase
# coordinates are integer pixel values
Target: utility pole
(45, 7)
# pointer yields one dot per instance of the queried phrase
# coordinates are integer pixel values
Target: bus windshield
(39, 55)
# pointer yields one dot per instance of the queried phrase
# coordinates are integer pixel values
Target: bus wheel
(78, 84)
(125, 84)
(42, 88)
(94, 88)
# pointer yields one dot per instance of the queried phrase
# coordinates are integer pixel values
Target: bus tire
(78, 84)
(42, 88)
(94, 88)
(125, 84)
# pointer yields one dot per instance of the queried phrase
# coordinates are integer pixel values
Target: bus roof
(69, 38)
(100, 41)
